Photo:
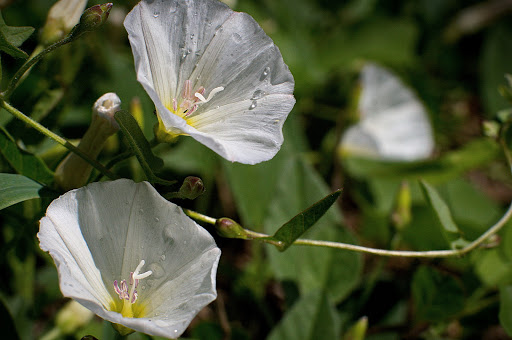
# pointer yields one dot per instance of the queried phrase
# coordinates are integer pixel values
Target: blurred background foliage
(453, 54)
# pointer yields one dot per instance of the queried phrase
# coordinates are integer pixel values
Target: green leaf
(506, 308)
(310, 318)
(12, 37)
(17, 188)
(141, 147)
(436, 296)
(304, 220)
(495, 62)
(492, 267)
(8, 325)
(444, 216)
(22, 161)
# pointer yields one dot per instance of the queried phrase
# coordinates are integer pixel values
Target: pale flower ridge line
(213, 74)
(130, 256)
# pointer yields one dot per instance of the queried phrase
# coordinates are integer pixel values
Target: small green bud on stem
(91, 19)
(191, 188)
(226, 227)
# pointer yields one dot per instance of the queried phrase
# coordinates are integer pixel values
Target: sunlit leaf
(17, 188)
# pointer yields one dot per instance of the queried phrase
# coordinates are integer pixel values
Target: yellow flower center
(129, 307)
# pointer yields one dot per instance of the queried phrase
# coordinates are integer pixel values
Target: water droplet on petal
(237, 37)
(158, 270)
(162, 257)
(185, 242)
(156, 14)
(157, 219)
(168, 234)
(258, 94)
(265, 73)
(253, 105)
(141, 210)
(192, 36)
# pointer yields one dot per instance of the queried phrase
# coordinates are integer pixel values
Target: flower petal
(394, 124)
(220, 49)
(122, 223)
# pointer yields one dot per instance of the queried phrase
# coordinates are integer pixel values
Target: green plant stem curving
(18, 114)
(381, 252)
(29, 63)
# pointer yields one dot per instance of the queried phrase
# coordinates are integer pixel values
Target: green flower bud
(91, 19)
(73, 172)
(226, 227)
(191, 188)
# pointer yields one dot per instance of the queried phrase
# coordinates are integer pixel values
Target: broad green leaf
(492, 267)
(450, 229)
(22, 161)
(301, 222)
(8, 325)
(12, 37)
(506, 308)
(495, 62)
(140, 147)
(17, 188)
(436, 296)
(312, 268)
(310, 318)
(451, 164)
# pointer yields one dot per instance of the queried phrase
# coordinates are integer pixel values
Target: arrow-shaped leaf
(12, 37)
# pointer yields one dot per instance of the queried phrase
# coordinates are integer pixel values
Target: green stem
(381, 252)
(29, 63)
(18, 114)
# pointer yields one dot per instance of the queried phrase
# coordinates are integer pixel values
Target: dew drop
(168, 234)
(175, 331)
(237, 37)
(160, 323)
(192, 36)
(253, 105)
(185, 242)
(173, 10)
(157, 219)
(141, 210)
(162, 257)
(258, 94)
(265, 73)
(156, 14)
(158, 270)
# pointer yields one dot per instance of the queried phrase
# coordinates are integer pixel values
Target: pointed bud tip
(92, 18)
(226, 227)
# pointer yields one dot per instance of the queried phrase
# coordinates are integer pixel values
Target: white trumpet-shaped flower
(394, 124)
(130, 256)
(213, 74)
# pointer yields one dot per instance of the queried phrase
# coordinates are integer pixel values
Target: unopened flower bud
(91, 19)
(62, 17)
(73, 172)
(72, 317)
(226, 227)
(191, 188)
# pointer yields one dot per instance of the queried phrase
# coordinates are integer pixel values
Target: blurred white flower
(394, 124)
(130, 256)
(63, 15)
(213, 74)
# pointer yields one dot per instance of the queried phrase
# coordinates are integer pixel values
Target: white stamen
(122, 289)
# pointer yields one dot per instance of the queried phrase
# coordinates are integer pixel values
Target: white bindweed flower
(63, 15)
(130, 256)
(394, 124)
(213, 74)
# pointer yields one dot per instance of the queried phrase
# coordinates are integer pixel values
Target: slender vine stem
(29, 63)
(375, 251)
(20, 115)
